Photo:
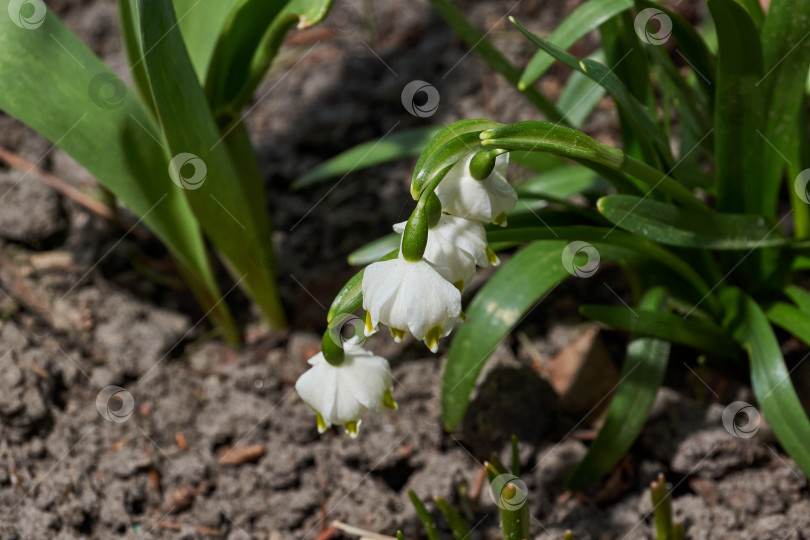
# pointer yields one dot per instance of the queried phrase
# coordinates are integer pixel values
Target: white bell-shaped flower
(410, 296)
(455, 246)
(485, 200)
(341, 394)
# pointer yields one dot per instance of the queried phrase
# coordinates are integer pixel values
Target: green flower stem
(619, 238)
(478, 41)
(536, 136)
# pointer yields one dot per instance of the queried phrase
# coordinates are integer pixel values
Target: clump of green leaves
(175, 152)
(714, 126)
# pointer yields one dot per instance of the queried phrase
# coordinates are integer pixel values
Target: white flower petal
(462, 195)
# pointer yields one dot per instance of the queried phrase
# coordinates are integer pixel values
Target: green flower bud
(434, 210)
(482, 163)
(332, 351)
(415, 236)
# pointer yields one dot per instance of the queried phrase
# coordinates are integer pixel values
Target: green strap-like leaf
(457, 525)
(580, 95)
(786, 56)
(201, 21)
(799, 296)
(701, 335)
(585, 18)
(225, 204)
(644, 366)
(770, 377)
(790, 318)
(738, 112)
(402, 144)
(607, 79)
(498, 306)
(424, 516)
(684, 227)
(97, 120)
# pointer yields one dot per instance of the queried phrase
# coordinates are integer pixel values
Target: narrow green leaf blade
(610, 82)
(223, 201)
(642, 373)
(200, 22)
(738, 112)
(92, 116)
(685, 227)
(786, 57)
(770, 377)
(791, 319)
(585, 18)
(424, 516)
(402, 144)
(457, 525)
(701, 335)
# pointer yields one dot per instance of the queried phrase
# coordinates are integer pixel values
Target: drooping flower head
(410, 296)
(455, 246)
(485, 200)
(341, 394)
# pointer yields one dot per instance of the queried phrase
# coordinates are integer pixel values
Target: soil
(84, 308)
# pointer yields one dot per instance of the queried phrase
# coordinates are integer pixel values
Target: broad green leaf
(92, 116)
(350, 297)
(496, 309)
(201, 22)
(247, 46)
(770, 377)
(786, 58)
(604, 236)
(738, 113)
(701, 335)
(128, 15)
(754, 10)
(223, 202)
(580, 95)
(230, 65)
(642, 373)
(791, 319)
(684, 227)
(585, 18)
(799, 296)
(610, 82)
(480, 43)
(406, 143)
